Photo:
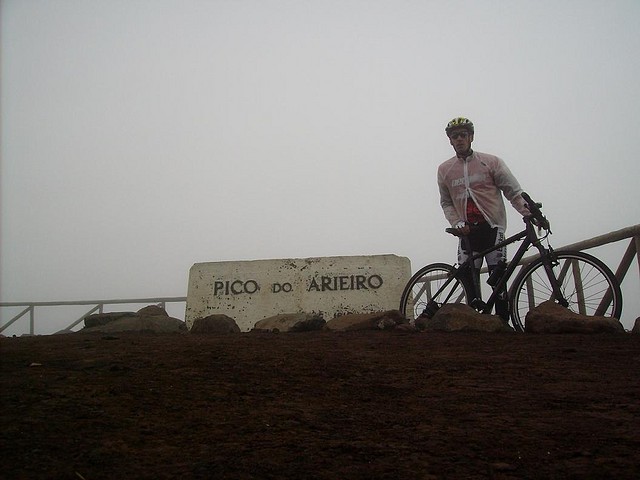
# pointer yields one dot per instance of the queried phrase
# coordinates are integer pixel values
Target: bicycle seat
(456, 231)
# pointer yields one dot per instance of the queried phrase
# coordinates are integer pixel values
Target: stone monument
(249, 291)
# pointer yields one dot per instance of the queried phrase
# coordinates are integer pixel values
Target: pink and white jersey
(483, 178)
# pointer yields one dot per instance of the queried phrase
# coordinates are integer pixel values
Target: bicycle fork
(432, 306)
(547, 256)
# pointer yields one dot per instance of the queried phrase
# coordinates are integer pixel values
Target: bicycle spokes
(429, 288)
(585, 285)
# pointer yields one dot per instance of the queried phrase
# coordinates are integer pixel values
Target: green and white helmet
(459, 122)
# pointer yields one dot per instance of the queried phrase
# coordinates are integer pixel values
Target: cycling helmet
(459, 122)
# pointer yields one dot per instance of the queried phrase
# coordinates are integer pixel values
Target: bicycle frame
(528, 237)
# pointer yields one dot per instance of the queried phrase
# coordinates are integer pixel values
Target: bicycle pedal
(478, 305)
(430, 310)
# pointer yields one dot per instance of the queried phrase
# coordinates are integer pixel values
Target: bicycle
(574, 279)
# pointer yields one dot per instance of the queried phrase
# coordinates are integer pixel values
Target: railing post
(577, 279)
(32, 328)
(637, 243)
(627, 259)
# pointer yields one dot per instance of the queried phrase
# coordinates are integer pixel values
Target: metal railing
(632, 251)
(98, 306)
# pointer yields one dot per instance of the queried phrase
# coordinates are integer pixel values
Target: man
(471, 185)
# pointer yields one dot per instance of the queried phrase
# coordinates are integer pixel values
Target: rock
(152, 311)
(140, 323)
(549, 317)
(98, 319)
(458, 317)
(214, 324)
(151, 318)
(366, 321)
(291, 322)
(406, 327)
(636, 326)
(502, 467)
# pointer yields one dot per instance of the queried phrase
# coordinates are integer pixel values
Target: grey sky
(141, 136)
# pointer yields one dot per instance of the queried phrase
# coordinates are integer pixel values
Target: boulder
(99, 319)
(140, 323)
(290, 322)
(148, 319)
(636, 326)
(366, 321)
(458, 317)
(406, 327)
(549, 317)
(214, 324)
(152, 311)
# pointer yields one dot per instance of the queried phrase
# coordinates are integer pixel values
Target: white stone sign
(249, 291)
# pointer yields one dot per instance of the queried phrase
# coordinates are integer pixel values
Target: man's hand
(539, 222)
(464, 230)
(460, 230)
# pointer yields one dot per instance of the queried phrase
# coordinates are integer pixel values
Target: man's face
(460, 140)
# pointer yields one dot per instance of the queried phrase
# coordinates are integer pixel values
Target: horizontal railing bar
(601, 240)
(94, 302)
(598, 241)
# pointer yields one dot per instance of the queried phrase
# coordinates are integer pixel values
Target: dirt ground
(321, 405)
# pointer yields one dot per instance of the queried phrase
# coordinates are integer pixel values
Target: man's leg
(502, 302)
(473, 278)
(493, 260)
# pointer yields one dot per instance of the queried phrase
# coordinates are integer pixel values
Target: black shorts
(482, 237)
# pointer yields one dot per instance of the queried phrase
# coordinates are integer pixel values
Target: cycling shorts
(482, 238)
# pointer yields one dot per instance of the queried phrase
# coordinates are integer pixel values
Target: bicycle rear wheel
(424, 292)
(586, 283)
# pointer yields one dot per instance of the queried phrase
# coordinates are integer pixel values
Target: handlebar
(536, 214)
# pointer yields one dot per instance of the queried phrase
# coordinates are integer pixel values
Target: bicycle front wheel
(430, 288)
(585, 282)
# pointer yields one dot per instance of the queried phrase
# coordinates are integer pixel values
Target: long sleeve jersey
(481, 177)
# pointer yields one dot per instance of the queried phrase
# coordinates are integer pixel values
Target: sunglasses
(455, 135)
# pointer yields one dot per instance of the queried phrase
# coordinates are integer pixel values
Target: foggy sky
(139, 137)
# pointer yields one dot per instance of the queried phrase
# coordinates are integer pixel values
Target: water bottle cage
(497, 273)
